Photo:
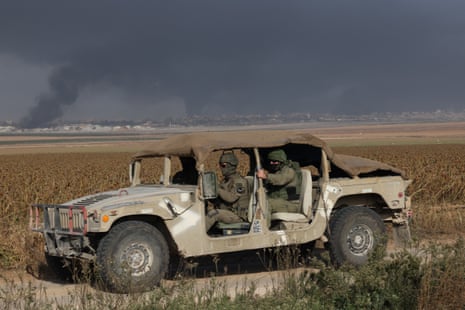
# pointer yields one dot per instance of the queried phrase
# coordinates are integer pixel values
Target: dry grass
(437, 190)
(438, 173)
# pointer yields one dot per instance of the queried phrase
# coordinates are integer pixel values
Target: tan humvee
(132, 234)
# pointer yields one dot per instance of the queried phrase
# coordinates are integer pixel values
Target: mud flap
(401, 234)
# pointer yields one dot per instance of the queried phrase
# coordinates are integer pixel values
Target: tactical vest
(290, 191)
(238, 185)
(293, 189)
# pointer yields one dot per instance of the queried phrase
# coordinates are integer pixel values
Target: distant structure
(235, 120)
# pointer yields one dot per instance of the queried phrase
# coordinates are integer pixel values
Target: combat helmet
(229, 158)
(228, 163)
(279, 156)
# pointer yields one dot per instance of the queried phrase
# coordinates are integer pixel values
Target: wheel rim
(360, 239)
(137, 258)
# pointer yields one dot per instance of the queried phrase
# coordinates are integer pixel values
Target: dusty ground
(246, 270)
(65, 294)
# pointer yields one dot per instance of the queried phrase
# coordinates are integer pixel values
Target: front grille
(59, 219)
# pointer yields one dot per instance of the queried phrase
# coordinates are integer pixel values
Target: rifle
(261, 211)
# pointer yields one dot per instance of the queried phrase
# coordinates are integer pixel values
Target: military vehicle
(131, 235)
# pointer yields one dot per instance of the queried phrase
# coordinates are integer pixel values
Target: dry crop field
(437, 190)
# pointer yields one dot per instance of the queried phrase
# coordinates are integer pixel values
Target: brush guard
(64, 229)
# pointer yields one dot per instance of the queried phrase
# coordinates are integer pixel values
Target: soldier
(282, 182)
(233, 194)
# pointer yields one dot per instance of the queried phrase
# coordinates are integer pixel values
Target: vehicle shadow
(244, 262)
(234, 263)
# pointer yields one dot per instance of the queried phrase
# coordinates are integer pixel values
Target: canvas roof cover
(201, 144)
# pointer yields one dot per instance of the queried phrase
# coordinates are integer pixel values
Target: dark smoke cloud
(65, 83)
(243, 56)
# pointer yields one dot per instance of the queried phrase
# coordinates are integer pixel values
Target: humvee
(132, 234)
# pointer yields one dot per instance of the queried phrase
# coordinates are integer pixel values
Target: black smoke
(64, 85)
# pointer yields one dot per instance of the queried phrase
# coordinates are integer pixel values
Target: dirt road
(235, 273)
(23, 286)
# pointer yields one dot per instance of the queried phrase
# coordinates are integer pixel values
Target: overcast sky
(149, 59)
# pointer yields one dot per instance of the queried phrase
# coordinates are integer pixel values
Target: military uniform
(282, 185)
(232, 203)
(234, 194)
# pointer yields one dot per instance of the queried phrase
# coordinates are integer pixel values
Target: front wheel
(132, 257)
(354, 233)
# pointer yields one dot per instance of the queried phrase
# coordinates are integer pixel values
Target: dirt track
(246, 270)
(62, 293)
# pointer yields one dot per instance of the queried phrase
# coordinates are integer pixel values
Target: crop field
(437, 190)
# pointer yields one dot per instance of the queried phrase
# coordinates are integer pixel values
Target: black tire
(132, 257)
(354, 233)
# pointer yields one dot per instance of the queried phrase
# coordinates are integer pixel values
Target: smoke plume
(64, 85)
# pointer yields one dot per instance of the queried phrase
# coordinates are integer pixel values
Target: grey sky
(154, 59)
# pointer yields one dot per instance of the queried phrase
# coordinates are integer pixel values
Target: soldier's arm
(227, 195)
(282, 177)
(239, 188)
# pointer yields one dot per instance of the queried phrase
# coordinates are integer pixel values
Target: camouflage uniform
(232, 203)
(282, 185)
(234, 195)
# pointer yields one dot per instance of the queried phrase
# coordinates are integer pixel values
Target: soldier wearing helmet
(281, 182)
(233, 194)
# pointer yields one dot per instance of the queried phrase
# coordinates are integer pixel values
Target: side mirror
(209, 190)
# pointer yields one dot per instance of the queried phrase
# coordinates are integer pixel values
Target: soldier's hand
(261, 173)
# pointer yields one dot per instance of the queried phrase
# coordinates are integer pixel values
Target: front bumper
(64, 229)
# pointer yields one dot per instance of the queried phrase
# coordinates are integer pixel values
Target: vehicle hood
(126, 196)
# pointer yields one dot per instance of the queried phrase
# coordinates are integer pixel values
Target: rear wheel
(132, 257)
(354, 233)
